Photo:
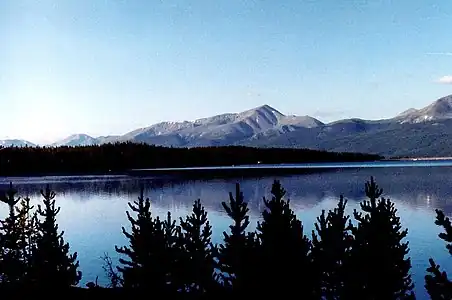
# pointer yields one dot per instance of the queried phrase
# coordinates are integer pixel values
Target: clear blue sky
(106, 67)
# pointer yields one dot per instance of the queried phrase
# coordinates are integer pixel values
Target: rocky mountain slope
(224, 129)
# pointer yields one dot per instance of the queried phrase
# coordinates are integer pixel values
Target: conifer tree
(198, 253)
(236, 255)
(12, 265)
(27, 231)
(145, 266)
(52, 263)
(172, 252)
(284, 249)
(378, 259)
(331, 245)
(437, 283)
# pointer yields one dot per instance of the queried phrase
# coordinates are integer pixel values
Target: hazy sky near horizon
(107, 67)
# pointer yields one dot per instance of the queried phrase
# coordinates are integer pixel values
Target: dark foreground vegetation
(120, 157)
(363, 256)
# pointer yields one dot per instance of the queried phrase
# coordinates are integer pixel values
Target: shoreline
(245, 170)
(419, 158)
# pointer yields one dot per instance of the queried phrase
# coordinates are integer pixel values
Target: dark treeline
(363, 256)
(117, 158)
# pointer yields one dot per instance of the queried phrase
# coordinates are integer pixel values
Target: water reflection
(93, 208)
(424, 187)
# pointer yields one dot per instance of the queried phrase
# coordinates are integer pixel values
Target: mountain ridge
(265, 126)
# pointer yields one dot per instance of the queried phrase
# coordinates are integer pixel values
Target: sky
(107, 67)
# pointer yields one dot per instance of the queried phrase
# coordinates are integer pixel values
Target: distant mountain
(219, 130)
(77, 140)
(224, 129)
(16, 143)
(425, 132)
(315, 137)
(441, 109)
(414, 132)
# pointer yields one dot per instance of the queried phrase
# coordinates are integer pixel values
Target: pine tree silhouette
(172, 252)
(378, 257)
(27, 230)
(12, 264)
(52, 264)
(285, 263)
(146, 266)
(437, 284)
(198, 255)
(331, 246)
(237, 256)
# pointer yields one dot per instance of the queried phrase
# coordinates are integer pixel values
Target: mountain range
(412, 133)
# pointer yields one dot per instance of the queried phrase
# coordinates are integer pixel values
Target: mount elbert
(413, 133)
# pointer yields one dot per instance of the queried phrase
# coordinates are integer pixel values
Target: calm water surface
(93, 208)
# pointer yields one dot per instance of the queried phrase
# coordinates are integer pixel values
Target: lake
(93, 207)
